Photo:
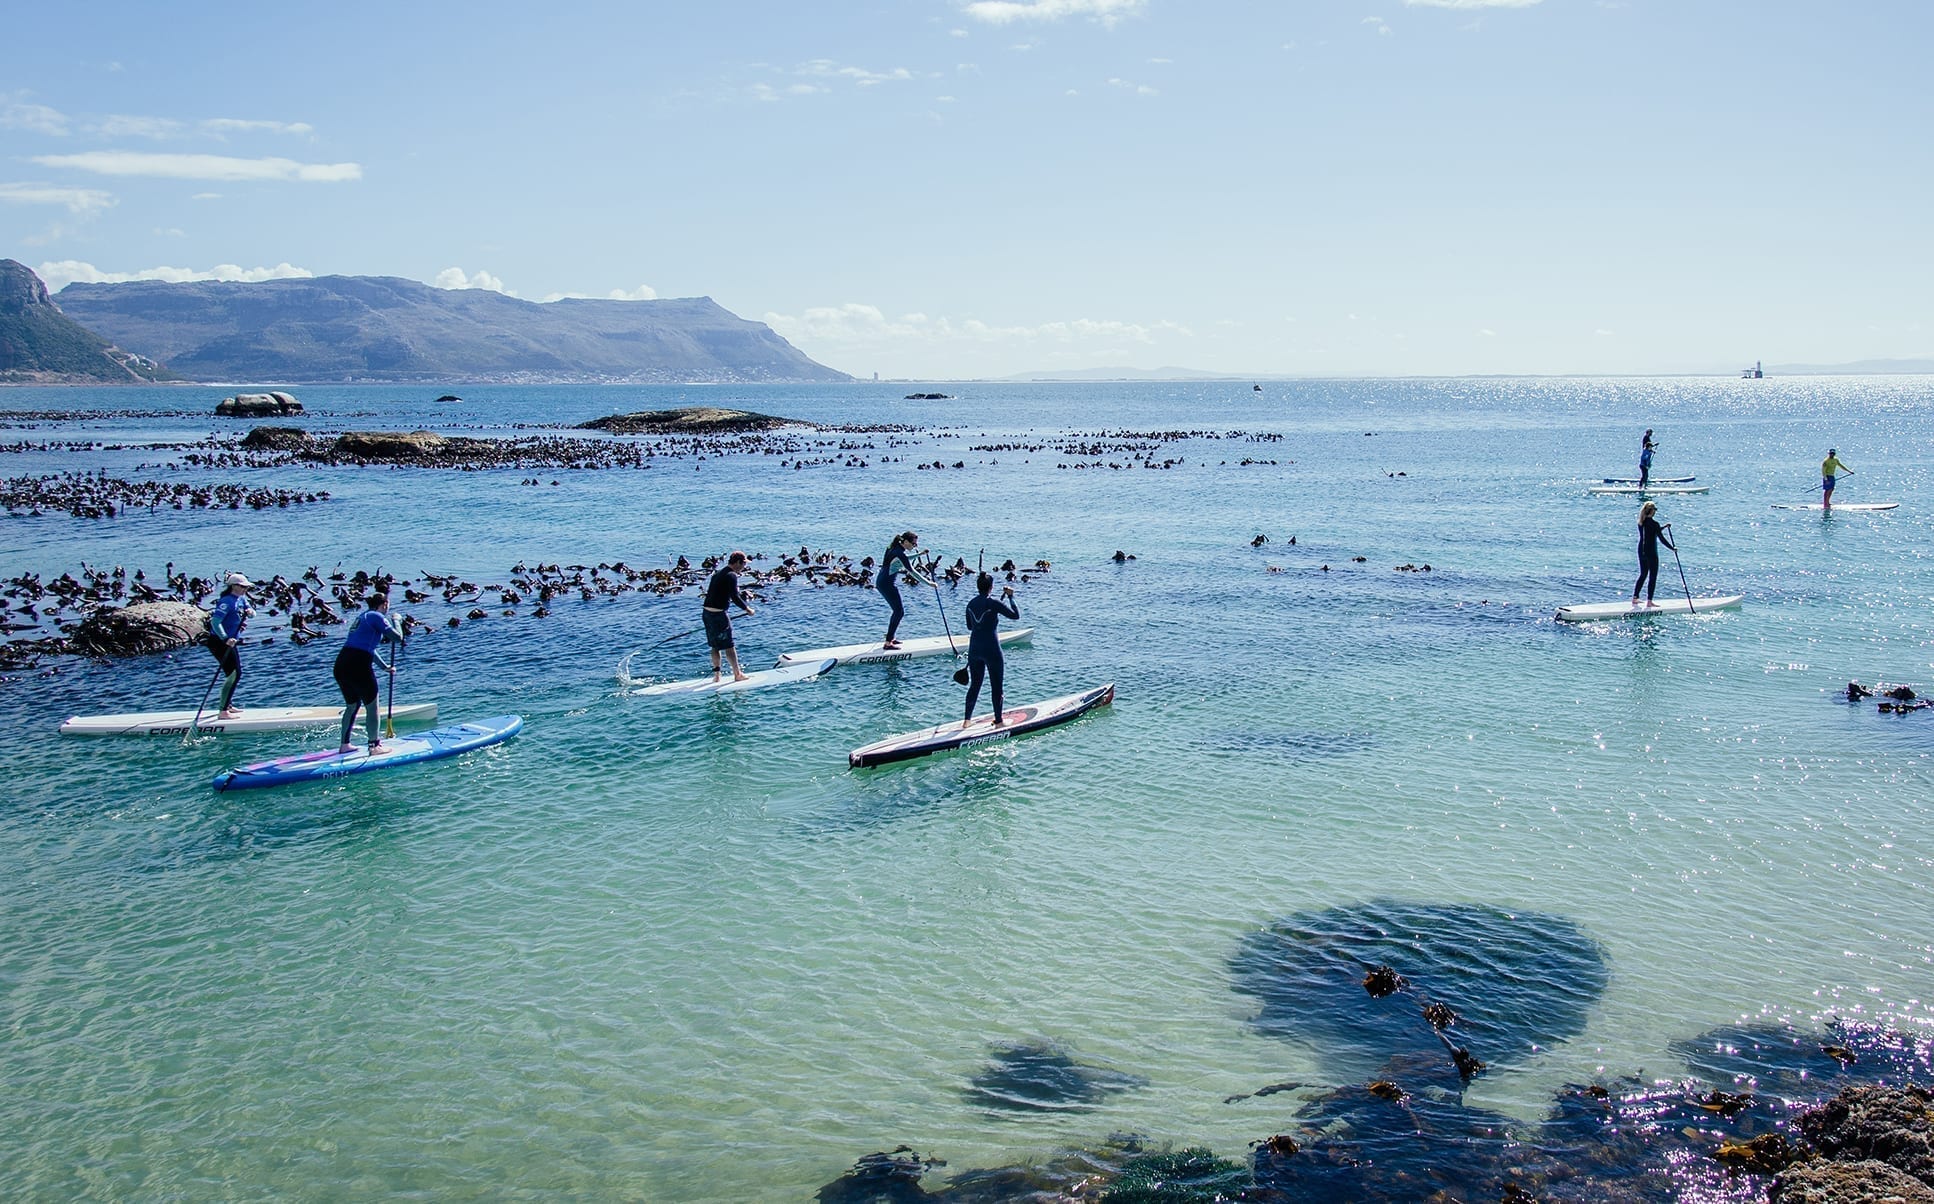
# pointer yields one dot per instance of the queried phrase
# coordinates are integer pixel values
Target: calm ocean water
(681, 952)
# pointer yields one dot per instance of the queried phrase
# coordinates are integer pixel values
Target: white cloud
(124, 126)
(62, 273)
(200, 167)
(957, 33)
(1470, 3)
(827, 68)
(853, 326)
(236, 125)
(643, 292)
(35, 119)
(1382, 28)
(1003, 12)
(171, 232)
(1487, 333)
(76, 200)
(206, 196)
(455, 278)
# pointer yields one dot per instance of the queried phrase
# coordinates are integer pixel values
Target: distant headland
(339, 329)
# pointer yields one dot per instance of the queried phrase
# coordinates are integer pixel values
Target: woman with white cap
(224, 638)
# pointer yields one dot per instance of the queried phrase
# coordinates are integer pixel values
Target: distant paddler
(720, 592)
(224, 638)
(356, 669)
(1651, 534)
(984, 643)
(1646, 448)
(900, 550)
(1831, 470)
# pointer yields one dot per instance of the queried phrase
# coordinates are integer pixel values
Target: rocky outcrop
(277, 438)
(393, 445)
(1863, 1182)
(1875, 1144)
(692, 420)
(139, 629)
(257, 405)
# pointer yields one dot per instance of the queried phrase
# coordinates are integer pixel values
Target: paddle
(389, 717)
(933, 579)
(1690, 609)
(196, 721)
(694, 631)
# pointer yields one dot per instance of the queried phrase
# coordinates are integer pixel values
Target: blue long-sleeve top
(372, 628)
(984, 613)
(230, 613)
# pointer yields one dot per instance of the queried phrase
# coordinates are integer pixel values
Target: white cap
(238, 579)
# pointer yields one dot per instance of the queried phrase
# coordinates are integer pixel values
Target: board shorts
(1826, 484)
(718, 630)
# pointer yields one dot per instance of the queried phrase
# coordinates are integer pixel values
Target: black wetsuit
(889, 589)
(984, 648)
(1650, 535)
(721, 591)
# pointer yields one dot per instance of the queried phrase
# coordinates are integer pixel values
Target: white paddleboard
(252, 719)
(1838, 506)
(1591, 611)
(1635, 491)
(1649, 480)
(804, 671)
(1018, 721)
(879, 654)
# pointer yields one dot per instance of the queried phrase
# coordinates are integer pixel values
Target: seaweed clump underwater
(1407, 1003)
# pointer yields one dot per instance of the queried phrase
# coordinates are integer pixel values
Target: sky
(950, 189)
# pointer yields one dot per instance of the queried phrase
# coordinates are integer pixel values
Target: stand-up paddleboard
(878, 654)
(1635, 491)
(254, 719)
(1018, 721)
(1837, 506)
(804, 671)
(1625, 610)
(1650, 481)
(397, 750)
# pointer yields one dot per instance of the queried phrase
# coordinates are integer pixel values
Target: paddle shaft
(1690, 609)
(389, 714)
(743, 616)
(196, 721)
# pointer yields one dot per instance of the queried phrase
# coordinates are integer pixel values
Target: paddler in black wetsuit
(984, 643)
(722, 591)
(899, 550)
(1650, 536)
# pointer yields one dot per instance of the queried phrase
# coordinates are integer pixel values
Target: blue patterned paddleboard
(397, 750)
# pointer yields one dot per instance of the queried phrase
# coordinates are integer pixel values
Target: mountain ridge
(390, 329)
(40, 344)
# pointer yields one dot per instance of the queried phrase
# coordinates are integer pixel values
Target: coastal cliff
(380, 328)
(39, 344)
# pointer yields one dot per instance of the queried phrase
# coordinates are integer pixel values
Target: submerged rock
(276, 438)
(257, 405)
(1043, 1076)
(390, 445)
(690, 420)
(139, 629)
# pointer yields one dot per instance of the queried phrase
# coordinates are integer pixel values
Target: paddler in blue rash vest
(1651, 534)
(356, 668)
(1646, 448)
(899, 550)
(722, 591)
(984, 643)
(224, 638)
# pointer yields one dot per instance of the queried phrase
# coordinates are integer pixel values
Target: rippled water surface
(680, 951)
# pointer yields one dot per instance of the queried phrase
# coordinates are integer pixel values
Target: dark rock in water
(1797, 1064)
(881, 1179)
(928, 397)
(390, 445)
(276, 438)
(257, 405)
(1515, 980)
(1894, 1125)
(1867, 1182)
(691, 420)
(1041, 1076)
(449, 397)
(142, 628)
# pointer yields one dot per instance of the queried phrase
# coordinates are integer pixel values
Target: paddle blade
(960, 676)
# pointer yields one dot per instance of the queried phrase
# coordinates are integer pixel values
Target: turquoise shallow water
(680, 951)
